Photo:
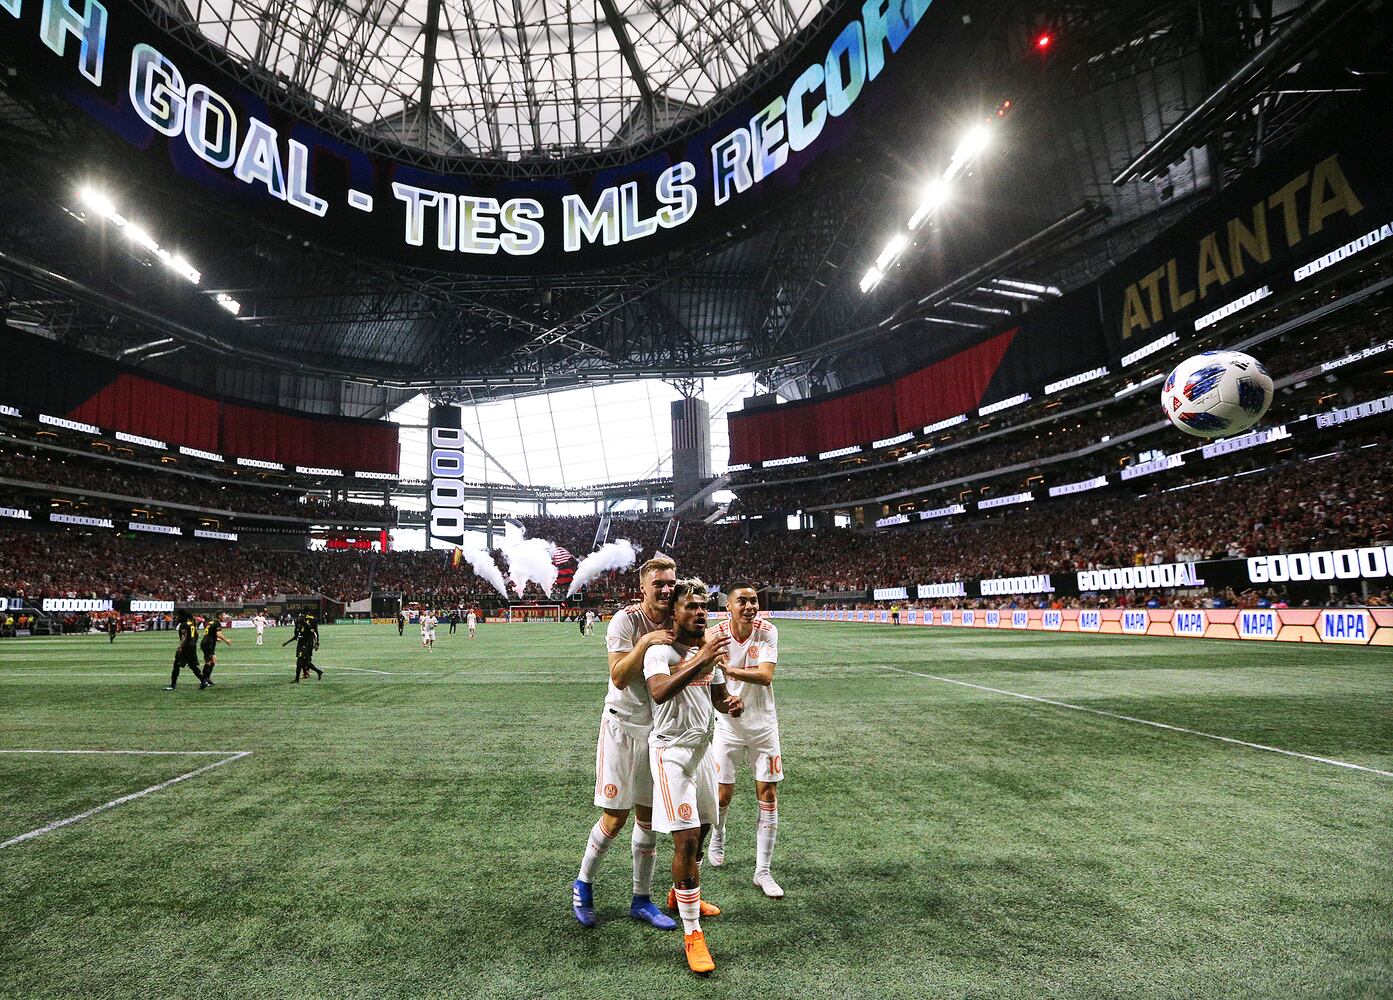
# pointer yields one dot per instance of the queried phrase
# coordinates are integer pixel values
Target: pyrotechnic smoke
(528, 559)
(608, 558)
(482, 562)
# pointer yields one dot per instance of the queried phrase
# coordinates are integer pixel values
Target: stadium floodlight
(935, 194)
(98, 202)
(892, 250)
(971, 146)
(140, 237)
(1027, 286)
(101, 204)
(995, 310)
(871, 278)
(228, 303)
(1008, 294)
(973, 143)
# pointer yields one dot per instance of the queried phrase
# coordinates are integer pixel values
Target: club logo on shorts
(611, 792)
(684, 812)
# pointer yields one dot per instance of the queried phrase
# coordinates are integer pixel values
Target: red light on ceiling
(1043, 40)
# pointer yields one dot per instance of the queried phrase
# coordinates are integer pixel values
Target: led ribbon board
(188, 114)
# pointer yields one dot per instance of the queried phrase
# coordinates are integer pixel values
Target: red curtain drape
(943, 389)
(321, 442)
(949, 387)
(142, 406)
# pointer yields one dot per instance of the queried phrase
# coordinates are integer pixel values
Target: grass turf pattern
(409, 826)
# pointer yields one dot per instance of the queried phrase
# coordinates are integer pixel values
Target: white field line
(60, 823)
(365, 670)
(1148, 722)
(144, 753)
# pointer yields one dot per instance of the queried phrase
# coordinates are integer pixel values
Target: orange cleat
(707, 909)
(699, 958)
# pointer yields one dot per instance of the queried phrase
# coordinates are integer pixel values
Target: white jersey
(470, 620)
(758, 719)
(687, 719)
(260, 624)
(630, 705)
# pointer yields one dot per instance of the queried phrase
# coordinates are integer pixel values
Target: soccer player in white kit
(589, 623)
(688, 689)
(623, 781)
(260, 622)
(471, 622)
(751, 654)
(427, 630)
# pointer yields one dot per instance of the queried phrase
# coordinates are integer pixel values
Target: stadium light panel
(98, 202)
(935, 194)
(228, 303)
(140, 237)
(892, 250)
(1027, 286)
(101, 204)
(871, 278)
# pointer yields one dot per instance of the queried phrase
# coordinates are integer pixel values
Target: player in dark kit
(112, 627)
(187, 653)
(212, 635)
(306, 639)
(401, 622)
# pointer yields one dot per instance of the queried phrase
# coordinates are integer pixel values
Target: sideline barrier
(1343, 626)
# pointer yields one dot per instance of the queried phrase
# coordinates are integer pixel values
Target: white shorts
(686, 782)
(428, 636)
(764, 756)
(622, 777)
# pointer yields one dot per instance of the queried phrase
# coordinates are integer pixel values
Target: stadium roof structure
(506, 78)
(1137, 109)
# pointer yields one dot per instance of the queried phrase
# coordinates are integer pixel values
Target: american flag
(565, 574)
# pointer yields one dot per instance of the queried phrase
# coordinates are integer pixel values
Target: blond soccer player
(688, 688)
(751, 654)
(623, 781)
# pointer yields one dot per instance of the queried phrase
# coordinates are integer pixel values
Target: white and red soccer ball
(1217, 394)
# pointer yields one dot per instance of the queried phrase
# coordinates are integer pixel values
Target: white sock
(767, 834)
(645, 848)
(689, 909)
(721, 824)
(594, 851)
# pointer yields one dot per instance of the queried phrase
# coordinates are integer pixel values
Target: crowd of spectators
(1342, 500)
(44, 468)
(787, 488)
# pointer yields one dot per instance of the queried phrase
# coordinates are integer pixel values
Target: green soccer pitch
(410, 826)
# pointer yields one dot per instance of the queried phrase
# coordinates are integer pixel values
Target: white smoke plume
(482, 562)
(528, 559)
(608, 558)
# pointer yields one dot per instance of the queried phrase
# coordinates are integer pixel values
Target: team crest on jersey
(611, 792)
(754, 653)
(684, 812)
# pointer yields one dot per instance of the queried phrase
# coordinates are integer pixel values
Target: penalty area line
(1148, 722)
(58, 824)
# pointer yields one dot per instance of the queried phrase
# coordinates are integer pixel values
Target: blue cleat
(643, 908)
(583, 903)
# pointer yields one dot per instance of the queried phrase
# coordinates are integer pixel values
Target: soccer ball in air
(1217, 394)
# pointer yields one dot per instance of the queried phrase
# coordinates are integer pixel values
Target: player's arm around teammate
(753, 654)
(623, 781)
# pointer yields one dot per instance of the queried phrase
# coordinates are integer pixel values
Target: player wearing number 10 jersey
(751, 654)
